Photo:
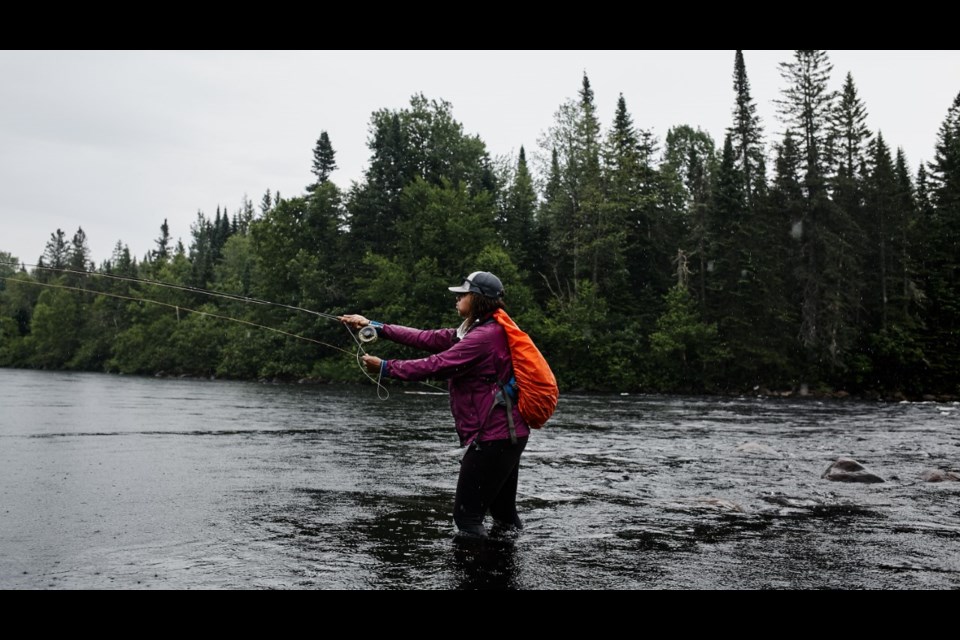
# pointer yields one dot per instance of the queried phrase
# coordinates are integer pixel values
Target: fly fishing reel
(367, 334)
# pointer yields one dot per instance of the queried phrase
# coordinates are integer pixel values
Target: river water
(124, 482)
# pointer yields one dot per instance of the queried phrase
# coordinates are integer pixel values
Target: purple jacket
(473, 365)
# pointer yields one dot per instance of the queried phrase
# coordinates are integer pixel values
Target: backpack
(536, 384)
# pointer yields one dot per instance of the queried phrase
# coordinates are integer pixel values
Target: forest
(817, 262)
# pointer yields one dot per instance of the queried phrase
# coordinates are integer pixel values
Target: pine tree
(746, 132)
(245, 216)
(881, 227)
(829, 277)
(787, 206)
(79, 251)
(724, 240)
(554, 210)
(942, 336)
(806, 108)
(588, 191)
(517, 223)
(57, 250)
(266, 203)
(201, 252)
(575, 221)
(162, 252)
(324, 162)
(849, 128)
(623, 233)
(688, 168)
(891, 356)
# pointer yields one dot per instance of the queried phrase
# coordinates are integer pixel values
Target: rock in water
(939, 475)
(759, 449)
(849, 470)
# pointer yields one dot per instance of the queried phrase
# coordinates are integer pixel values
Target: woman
(474, 357)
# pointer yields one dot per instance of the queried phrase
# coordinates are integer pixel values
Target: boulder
(849, 470)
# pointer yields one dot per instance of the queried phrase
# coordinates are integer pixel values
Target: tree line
(680, 265)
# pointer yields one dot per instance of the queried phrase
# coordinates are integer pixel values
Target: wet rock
(849, 470)
(755, 448)
(939, 475)
(704, 503)
(722, 504)
(793, 502)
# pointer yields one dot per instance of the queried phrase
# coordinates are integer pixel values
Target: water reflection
(488, 563)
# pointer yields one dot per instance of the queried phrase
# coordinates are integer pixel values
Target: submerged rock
(793, 502)
(759, 449)
(939, 475)
(849, 470)
(706, 503)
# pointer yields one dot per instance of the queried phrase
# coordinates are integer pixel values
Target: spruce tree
(324, 162)
(79, 251)
(746, 132)
(725, 241)
(688, 167)
(517, 224)
(57, 251)
(266, 202)
(577, 221)
(830, 274)
(942, 287)
(787, 207)
(883, 233)
(162, 252)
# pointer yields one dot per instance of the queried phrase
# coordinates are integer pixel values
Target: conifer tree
(324, 162)
(162, 252)
(829, 275)
(79, 251)
(942, 286)
(57, 251)
(517, 225)
(746, 132)
(266, 202)
(576, 221)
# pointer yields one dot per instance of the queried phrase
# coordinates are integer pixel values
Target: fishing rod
(364, 335)
(178, 309)
(158, 283)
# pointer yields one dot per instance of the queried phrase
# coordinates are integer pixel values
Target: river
(110, 482)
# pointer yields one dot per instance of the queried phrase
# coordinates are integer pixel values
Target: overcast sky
(115, 142)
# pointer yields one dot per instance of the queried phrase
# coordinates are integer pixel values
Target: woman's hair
(481, 306)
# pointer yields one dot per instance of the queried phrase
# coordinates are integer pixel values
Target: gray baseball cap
(482, 282)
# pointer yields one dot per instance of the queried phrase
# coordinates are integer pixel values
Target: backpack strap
(509, 404)
(503, 399)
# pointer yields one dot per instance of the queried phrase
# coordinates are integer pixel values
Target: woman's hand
(354, 321)
(372, 363)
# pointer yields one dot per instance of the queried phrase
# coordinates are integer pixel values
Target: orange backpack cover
(536, 385)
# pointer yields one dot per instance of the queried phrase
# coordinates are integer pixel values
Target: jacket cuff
(383, 368)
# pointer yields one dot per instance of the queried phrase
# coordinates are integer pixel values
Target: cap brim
(464, 288)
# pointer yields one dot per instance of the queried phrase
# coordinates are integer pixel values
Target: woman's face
(463, 304)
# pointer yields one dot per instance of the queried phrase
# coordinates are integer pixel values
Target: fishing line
(179, 308)
(179, 287)
(365, 335)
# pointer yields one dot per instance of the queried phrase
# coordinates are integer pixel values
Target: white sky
(117, 141)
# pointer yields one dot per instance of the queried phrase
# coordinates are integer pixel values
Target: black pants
(488, 481)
